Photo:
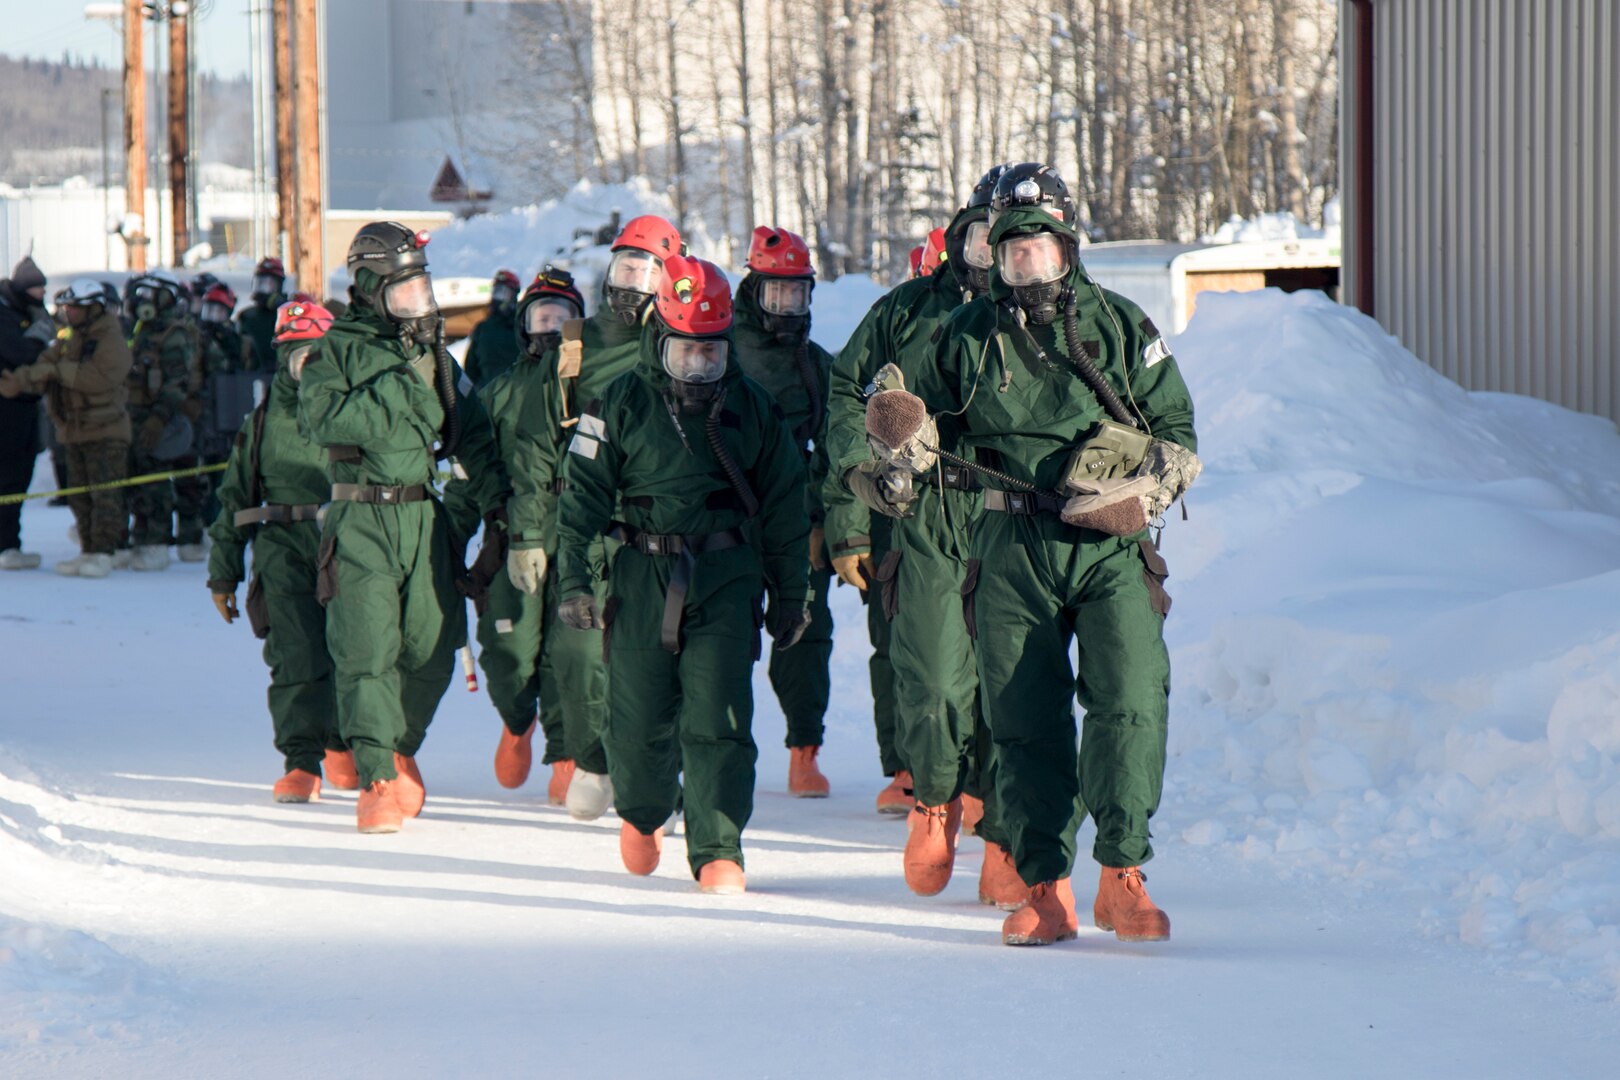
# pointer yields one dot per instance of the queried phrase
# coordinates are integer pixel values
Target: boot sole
(373, 829)
(556, 802)
(1003, 905)
(722, 890)
(894, 811)
(297, 798)
(809, 794)
(1130, 937)
(1028, 939)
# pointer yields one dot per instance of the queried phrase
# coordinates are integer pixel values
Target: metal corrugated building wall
(1495, 189)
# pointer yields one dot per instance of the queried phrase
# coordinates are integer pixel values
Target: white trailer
(1165, 279)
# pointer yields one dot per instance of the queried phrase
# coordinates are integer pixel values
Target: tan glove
(854, 570)
(527, 569)
(818, 547)
(151, 433)
(226, 603)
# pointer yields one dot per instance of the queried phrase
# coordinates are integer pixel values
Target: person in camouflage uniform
(165, 352)
(270, 496)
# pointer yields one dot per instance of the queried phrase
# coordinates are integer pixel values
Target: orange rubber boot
(931, 847)
(972, 812)
(999, 883)
(804, 778)
(408, 786)
(514, 757)
(1048, 917)
(896, 798)
(639, 851)
(1123, 906)
(340, 770)
(722, 878)
(378, 810)
(562, 774)
(298, 786)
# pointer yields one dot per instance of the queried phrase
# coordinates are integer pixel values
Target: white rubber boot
(70, 567)
(589, 795)
(150, 557)
(96, 566)
(122, 558)
(197, 552)
(17, 559)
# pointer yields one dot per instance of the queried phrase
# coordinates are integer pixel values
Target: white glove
(527, 569)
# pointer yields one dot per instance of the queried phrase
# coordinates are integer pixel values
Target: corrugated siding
(1497, 175)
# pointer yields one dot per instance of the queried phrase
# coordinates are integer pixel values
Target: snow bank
(1396, 649)
(1282, 225)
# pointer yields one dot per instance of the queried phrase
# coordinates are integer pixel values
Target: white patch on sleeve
(583, 446)
(503, 626)
(1157, 350)
(593, 426)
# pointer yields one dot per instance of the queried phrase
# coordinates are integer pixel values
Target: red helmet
(220, 293)
(651, 234)
(271, 266)
(554, 281)
(506, 277)
(779, 252)
(297, 320)
(694, 297)
(933, 253)
(915, 258)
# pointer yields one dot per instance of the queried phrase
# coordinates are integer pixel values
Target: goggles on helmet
(694, 360)
(977, 252)
(1033, 259)
(635, 271)
(785, 296)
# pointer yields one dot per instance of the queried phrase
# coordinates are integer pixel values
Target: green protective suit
(257, 323)
(1036, 585)
(164, 353)
(690, 711)
(939, 726)
(275, 465)
(573, 667)
(394, 618)
(494, 347)
(791, 373)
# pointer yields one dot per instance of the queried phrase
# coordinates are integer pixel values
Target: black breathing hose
(734, 475)
(812, 388)
(444, 370)
(1087, 369)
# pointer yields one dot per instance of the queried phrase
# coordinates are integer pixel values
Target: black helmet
(985, 187)
(387, 248)
(155, 295)
(199, 289)
(388, 263)
(1035, 185)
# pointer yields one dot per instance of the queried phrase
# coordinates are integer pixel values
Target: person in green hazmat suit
(271, 495)
(380, 394)
(1072, 407)
(710, 486)
(494, 345)
(511, 621)
(589, 356)
(257, 321)
(940, 730)
(164, 347)
(772, 335)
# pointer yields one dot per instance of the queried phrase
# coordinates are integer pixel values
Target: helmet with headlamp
(388, 264)
(551, 300)
(1034, 262)
(637, 262)
(300, 324)
(694, 311)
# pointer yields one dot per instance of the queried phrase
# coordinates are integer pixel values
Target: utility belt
(951, 477)
(276, 514)
(379, 493)
(685, 547)
(1021, 503)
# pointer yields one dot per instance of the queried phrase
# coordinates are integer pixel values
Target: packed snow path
(1390, 842)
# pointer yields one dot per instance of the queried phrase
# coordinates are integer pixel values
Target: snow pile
(1396, 651)
(1282, 225)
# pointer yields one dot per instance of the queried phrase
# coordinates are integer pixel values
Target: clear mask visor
(977, 253)
(266, 285)
(635, 271)
(695, 360)
(1036, 259)
(502, 294)
(786, 296)
(546, 316)
(214, 312)
(411, 298)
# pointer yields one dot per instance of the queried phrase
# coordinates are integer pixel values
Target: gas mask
(694, 367)
(632, 279)
(151, 303)
(214, 313)
(1034, 266)
(784, 303)
(972, 267)
(408, 302)
(503, 298)
(542, 324)
(264, 287)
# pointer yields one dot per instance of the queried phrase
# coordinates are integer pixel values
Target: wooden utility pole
(305, 228)
(135, 130)
(286, 184)
(179, 131)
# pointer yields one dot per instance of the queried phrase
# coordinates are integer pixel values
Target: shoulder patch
(1156, 350)
(1149, 331)
(584, 446)
(592, 426)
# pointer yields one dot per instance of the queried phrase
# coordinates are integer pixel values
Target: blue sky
(49, 28)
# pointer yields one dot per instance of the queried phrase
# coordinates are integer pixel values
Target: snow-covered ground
(1390, 840)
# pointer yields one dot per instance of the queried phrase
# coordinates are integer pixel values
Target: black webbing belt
(276, 514)
(1021, 503)
(950, 476)
(685, 548)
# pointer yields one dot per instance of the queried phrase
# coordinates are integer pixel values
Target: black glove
(580, 612)
(788, 624)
